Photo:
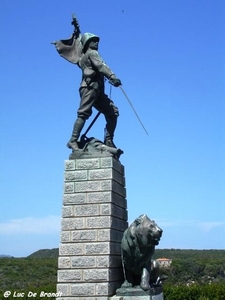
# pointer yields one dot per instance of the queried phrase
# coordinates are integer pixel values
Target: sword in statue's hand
(120, 86)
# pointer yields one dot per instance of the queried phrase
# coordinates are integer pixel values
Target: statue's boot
(108, 141)
(78, 126)
(109, 132)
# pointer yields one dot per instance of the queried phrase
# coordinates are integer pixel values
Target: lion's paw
(145, 285)
(126, 284)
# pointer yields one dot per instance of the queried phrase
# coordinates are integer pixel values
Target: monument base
(136, 293)
(154, 297)
(94, 217)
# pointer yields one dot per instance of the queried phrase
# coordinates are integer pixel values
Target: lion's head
(146, 231)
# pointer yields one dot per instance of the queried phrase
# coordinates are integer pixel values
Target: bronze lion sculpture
(138, 246)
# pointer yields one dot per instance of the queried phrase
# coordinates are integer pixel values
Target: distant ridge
(159, 253)
(5, 256)
(45, 253)
(169, 253)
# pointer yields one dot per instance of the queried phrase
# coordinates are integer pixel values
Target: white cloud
(207, 226)
(45, 225)
(204, 226)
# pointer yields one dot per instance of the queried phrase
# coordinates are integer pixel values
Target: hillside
(207, 255)
(212, 254)
(193, 266)
(27, 273)
(45, 253)
(191, 272)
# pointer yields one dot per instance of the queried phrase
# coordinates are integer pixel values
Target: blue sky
(170, 57)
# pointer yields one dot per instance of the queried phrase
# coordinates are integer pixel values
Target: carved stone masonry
(94, 217)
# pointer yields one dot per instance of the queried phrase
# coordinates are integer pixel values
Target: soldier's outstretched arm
(102, 67)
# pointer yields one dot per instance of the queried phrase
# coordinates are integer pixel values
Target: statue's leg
(78, 126)
(109, 131)
(145, 279)
(88, 97)
(111, 113)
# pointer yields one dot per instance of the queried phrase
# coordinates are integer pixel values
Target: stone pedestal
(136, 293)
(148, 297)
(94, 217)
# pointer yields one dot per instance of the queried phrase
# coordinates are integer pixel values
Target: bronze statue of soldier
(92, 91)
(83, 50)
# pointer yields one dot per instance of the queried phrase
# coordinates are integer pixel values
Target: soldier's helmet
(86, 37)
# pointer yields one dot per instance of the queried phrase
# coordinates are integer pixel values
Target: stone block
(99, 275)
(102, 248)
(104, 235)
(111, 185)
(75, 175)
(107, 288)
(98, 222)
(119, 189)
(69, 275)
(87, 163)
(113, 210)
(106, 185)
(105, 174)
(106, 261)
(71, 249)
(87, 210)
(109, 162)
(106, 162)
(100, 174)
(99, 197)
(119, 200)
(70, 165)
(118, 166)
(86, 289)
(115, 248)
(96, 275)
(63, 288)
(118, 224)
(110, 235)
(68, 187)
(79, 198)
(83, 262)
(84, 235)
(97, 248)
(87, 186)
(64, 262)
(118, 177)
(65, 236)
(67, 211)
(72, 223)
